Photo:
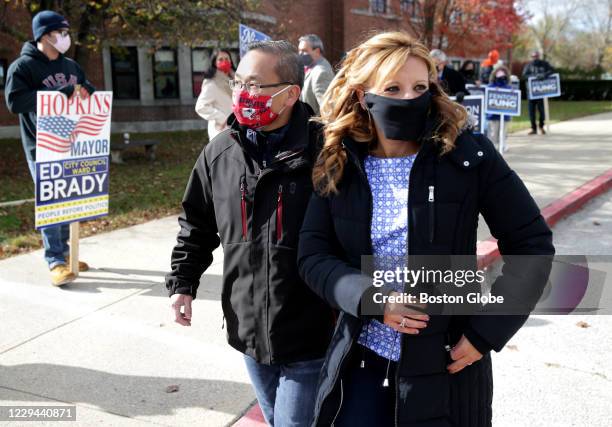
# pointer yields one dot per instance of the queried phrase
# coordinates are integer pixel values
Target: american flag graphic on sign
(57, 133)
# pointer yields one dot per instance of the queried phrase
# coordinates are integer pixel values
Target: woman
(468, 71)
(399, 177)
(215, 100)
(499, 79)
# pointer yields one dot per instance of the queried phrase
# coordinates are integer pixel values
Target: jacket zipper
(341, 401)
(279, 214)
(430, 201)
(243, 209)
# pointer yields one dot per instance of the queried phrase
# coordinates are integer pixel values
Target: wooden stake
(546, 115)
(74, 248)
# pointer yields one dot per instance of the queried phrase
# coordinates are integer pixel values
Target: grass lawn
(141, 190)
(561, 110)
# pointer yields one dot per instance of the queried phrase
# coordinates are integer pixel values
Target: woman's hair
(212, 70)
(499, 68)
(467, 63)
(343, 116)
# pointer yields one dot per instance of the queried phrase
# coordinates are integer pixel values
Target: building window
(378, 6)
(409, 7)
(2, 73)
(200, 62)
(165, 74)
(124, 65)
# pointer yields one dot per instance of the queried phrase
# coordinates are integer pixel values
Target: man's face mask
(255, 111)
(62, 42)
(400, 119)
(306, 59)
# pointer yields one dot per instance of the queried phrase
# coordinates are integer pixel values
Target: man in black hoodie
(43, 66)
(248, 191)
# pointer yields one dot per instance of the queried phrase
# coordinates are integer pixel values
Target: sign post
(502, 102)
(248, 35)
(548, 87)
(72, 161)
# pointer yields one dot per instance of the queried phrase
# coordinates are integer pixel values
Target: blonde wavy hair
(343, 116)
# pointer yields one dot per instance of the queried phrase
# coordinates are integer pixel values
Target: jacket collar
(297, 138)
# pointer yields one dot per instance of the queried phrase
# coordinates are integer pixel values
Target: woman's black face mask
(400, 119)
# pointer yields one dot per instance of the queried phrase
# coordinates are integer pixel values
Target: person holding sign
(215, 101)
(248, 191)
(499, 79)
(539, 69)
(399, 176)
(42, 66)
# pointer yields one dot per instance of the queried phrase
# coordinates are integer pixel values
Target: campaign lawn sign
(475, 90)
(248, 35)
(503, 102)
(548, 87)
(72, 157)
(475, 107)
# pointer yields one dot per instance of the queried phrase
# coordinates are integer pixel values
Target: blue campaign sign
(503, 101)
(548, 87)
(475, 90)
(475, 107)
(249, 35)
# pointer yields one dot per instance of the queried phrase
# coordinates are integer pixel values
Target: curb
(488, 252)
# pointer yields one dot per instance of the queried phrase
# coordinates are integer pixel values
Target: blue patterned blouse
(388, 179)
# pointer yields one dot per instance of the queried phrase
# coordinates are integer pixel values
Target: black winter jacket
(473, 178)
(32, 72)
(255, 212)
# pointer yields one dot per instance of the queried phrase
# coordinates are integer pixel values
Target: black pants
(365, 402)
(533, 103)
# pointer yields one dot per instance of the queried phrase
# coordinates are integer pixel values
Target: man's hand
(80, 91)
(176, 302)
(403, 318)
(463, 354)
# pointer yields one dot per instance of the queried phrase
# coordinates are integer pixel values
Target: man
(43, 66)
(487, 66)
(248, 191)
(539, 69)
(319, 73)
(450, 79)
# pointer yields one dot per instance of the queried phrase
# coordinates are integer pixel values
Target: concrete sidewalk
(106, 342)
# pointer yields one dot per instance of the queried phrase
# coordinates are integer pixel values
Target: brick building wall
(341, 24)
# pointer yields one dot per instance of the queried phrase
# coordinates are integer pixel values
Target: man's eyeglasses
(253, 88)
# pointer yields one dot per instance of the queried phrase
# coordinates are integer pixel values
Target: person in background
(486, 67)
(539, 69)
(468, 71)
(318, 71)
(499, 79)
(215, 101)
(450, 79)
(248, 191)
(43, 66)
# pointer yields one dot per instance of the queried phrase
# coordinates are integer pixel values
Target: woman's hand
(403, 318)
(463, 354)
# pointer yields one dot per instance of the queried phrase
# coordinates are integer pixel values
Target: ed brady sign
(72, 149)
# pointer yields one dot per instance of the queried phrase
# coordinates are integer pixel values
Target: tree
(152, 21)
(465, 27)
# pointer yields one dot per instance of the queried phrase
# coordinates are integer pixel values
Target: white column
(184, 74)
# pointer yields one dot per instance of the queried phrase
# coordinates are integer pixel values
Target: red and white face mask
(255, 111)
